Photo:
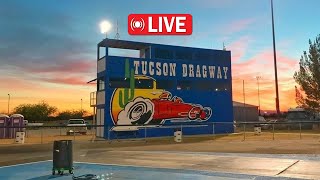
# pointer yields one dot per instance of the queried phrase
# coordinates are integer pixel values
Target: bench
(34, 125)
(118, 130)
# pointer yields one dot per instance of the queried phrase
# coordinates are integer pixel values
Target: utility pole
(81, 105)
(8, 104)
(275, 62)
(244, 102)
(258, 78)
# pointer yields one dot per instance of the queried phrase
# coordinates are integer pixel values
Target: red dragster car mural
(156, 111)
(175, 108)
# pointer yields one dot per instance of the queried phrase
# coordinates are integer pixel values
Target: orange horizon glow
(66, 93)
(65, 85)
(70, 98)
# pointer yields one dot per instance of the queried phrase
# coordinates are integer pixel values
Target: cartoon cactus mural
(128, 93)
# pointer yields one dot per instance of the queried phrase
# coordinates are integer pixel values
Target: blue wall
(219, 101)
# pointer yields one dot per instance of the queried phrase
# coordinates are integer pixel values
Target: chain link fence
(243, 131)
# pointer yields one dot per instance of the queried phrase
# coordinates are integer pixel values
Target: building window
(101, 84)
(184, 85)
(214, 86)
(163, 54)
(185, 55)
(227, 87)
(143, 83)
(203, 85)
(119, 83)
(222, 86)
(125, 83)
(203, 56)
(165, 84)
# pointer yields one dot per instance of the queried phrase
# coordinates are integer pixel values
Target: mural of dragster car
(165, 108)
(175, 108)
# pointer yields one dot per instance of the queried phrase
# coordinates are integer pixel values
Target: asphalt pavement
(250, 164)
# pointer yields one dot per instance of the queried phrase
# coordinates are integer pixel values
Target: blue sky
(48, 47)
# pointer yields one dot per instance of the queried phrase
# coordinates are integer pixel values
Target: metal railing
(289, 126)
(241, 131)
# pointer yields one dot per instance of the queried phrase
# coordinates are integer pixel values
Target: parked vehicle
(263, 126)
(298, 115)
(88, 125)
(262, 119)
(76, 126)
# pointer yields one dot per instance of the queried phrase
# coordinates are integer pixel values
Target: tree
(308, 76)
(3, 112)
(299, 98)
(35, 112)
(65, 115)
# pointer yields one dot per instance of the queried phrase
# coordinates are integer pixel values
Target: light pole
(105, 26)
(8, 104)
(244, 101)
(275, 62)
(81, 105)
(258, 78)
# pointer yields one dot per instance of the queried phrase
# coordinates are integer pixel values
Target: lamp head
(105, 27)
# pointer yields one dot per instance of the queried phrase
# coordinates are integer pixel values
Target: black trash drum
(62, 156)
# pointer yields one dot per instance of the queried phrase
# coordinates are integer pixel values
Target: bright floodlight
(105, 26)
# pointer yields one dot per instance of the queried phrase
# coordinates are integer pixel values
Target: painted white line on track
(25, 163)
(167, 168)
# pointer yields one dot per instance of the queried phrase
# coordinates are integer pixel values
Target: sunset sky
(48, 48)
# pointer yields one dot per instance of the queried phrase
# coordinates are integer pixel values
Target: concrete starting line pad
(42, 170)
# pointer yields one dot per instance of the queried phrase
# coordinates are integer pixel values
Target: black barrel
(62, 154)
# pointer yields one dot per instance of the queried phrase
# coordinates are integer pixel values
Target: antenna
(224, 47)
(117, 34)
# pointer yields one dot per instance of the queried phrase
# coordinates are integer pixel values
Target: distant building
(245, 112)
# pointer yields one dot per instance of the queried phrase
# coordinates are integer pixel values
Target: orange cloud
(66, 80)
(78, 66)
(238, 48)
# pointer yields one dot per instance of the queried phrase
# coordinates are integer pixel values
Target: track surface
(174, 165)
